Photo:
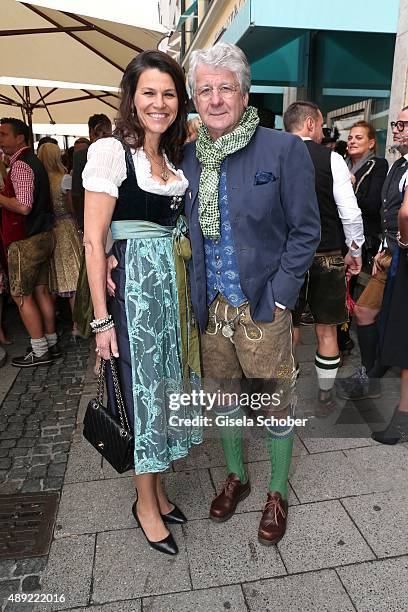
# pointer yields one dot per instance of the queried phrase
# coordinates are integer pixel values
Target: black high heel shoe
(175, 516)
(167, 546)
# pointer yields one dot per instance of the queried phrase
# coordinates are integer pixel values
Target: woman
(394, 346)
(131, 181)
(368, 174)
(66, 258)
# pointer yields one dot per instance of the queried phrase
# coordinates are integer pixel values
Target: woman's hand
(106, 344)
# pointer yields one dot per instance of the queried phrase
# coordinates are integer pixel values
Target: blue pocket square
(262, 177)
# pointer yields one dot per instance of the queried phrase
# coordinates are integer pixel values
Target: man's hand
(353, 265)
(375, 266)
(378, 263)
(111, 263)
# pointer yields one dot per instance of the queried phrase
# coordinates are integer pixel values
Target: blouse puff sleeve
(66, 183)
(105, 169)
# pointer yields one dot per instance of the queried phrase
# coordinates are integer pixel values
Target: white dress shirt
(346, 202)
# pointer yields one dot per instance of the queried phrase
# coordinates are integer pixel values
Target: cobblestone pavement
(346, 546)
(37, 422)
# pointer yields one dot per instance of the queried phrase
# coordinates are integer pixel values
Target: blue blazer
(274, 218)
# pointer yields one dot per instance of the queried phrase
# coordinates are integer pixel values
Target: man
(254, 227)
(98, 125)
(365, 383)
(27, 237)
(324, 289)
(81, 143)
(45, 140)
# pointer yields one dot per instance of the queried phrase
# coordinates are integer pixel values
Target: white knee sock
(39, 346)
(326, 370)
(52, 339)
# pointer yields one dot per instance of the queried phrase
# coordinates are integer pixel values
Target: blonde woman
(66, 259)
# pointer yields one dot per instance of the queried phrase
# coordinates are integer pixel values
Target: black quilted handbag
(110, 435)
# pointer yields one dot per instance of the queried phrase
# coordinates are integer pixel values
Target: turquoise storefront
(339, 51)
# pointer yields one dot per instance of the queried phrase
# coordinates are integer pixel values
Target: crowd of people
(41, 232)
(222, 235)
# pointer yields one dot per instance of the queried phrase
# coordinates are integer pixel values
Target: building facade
(339, 54)
(399, 86)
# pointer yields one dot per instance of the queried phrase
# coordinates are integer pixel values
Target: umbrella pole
(45, 106)
(29, 113)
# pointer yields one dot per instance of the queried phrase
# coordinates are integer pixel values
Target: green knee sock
(280, 453)
(231, 440)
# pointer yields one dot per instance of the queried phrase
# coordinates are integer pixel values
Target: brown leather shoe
(273, 522)
(225, 504)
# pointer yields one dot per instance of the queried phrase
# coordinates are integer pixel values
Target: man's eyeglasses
(400, 125)
(225, 91)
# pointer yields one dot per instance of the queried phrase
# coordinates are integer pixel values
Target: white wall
(399, 87)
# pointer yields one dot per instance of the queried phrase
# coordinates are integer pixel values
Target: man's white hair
(222, 55)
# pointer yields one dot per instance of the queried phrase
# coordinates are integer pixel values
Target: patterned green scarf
(211, 154)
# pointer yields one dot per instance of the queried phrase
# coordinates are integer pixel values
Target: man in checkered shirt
(26, 228)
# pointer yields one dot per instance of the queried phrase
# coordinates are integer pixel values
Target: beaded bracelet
(97, 323)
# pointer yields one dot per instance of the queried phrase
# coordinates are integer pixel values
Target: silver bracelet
(103, 328)
(402, 245)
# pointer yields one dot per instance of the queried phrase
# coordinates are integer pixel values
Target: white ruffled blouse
(105, 170)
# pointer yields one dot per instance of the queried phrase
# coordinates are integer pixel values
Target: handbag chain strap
(118, 393)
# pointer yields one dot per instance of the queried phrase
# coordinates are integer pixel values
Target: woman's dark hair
(67, 159)
(341, 148)
(371, 133)
(128, 126)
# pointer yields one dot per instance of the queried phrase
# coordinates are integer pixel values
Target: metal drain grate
(27, 524)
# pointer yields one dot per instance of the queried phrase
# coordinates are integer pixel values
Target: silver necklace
(175, 200)
(164, 172)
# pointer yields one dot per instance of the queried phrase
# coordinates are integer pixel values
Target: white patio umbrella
(55, 102)
(44, 43)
